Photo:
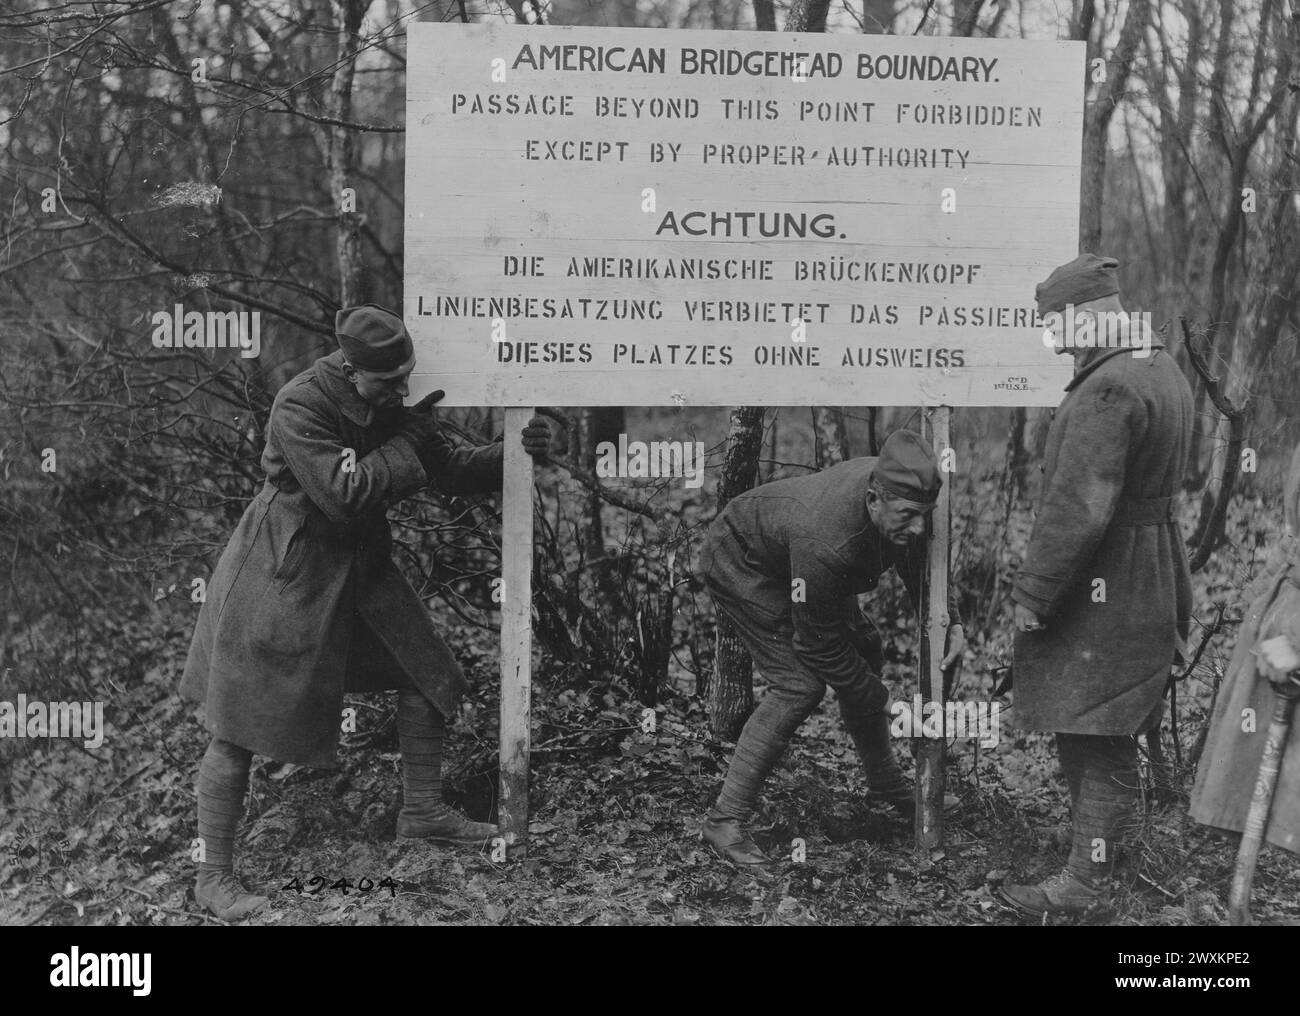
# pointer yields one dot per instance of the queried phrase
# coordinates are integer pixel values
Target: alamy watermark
(79, 720)
(214, 329)
(75, 969)
(1072, 328)
(640, 459)
(982, 720)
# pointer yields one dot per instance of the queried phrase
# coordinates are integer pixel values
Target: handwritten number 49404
(364, 885)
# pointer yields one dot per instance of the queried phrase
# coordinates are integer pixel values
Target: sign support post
(516, 630)
(930, 775)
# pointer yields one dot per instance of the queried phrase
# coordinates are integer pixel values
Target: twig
(1159, 888)
(929, 5)
(595, 486)
(170, 910)
(48, 907)
(1205, 640)
(1210, 531)
(186, 913)
(123, 782)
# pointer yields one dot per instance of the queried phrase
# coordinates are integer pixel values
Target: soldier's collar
(335, 385)
(1100, 356)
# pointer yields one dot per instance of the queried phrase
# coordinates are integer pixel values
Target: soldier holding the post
(306, 603)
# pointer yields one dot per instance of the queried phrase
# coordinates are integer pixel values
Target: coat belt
(1151, 511)
(317, 524)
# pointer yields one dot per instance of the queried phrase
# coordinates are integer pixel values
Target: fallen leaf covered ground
(103, 835)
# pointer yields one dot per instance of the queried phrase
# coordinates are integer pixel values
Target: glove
(420, 428)
(1279, 634)
(1278, 658)
(537, 438)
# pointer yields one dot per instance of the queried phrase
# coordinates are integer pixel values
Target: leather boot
(1064, 893)
(443, 826)
(220, 893)
(731, 841)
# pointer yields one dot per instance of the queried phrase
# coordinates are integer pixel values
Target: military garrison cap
(907, 468)
(373, 338)
(1087, 277)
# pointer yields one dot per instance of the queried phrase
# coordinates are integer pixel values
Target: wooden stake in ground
(934, 639)
(516, 630)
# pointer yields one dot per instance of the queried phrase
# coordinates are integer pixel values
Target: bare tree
(1098, 113)
(1237, 143)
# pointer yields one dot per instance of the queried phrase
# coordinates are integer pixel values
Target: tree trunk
(601, 568)
(1273, 283)
(877, 16)
(340, 147)
(1175, 134)
(1225, 312)
(830, 439)
(606, 423)
(807, 16)
(654, 622)
(1017, 460)
(1225, 460)
(730, 692)
(1096, 120)
(773, 434)
(1194, 479)
(965, 14)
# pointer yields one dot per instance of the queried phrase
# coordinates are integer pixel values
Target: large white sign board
(601, 216)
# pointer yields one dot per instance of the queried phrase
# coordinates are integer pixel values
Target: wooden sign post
(516, 630)
(930, 774)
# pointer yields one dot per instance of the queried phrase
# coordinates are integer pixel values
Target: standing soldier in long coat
(785, 562)
(305, 601)
(1103, 595)
(1225, 779)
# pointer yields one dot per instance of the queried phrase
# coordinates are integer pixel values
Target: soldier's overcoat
(1105, 565)
(305, 600)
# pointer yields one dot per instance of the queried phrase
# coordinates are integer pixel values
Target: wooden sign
(600, 216)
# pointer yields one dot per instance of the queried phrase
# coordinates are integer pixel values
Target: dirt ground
(104, 836)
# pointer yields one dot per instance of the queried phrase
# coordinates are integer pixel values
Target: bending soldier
(784, 562)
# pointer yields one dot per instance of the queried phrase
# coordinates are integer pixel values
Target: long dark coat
(815, 528)
(1115, 457)
(1225, 779)
(305, 600)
